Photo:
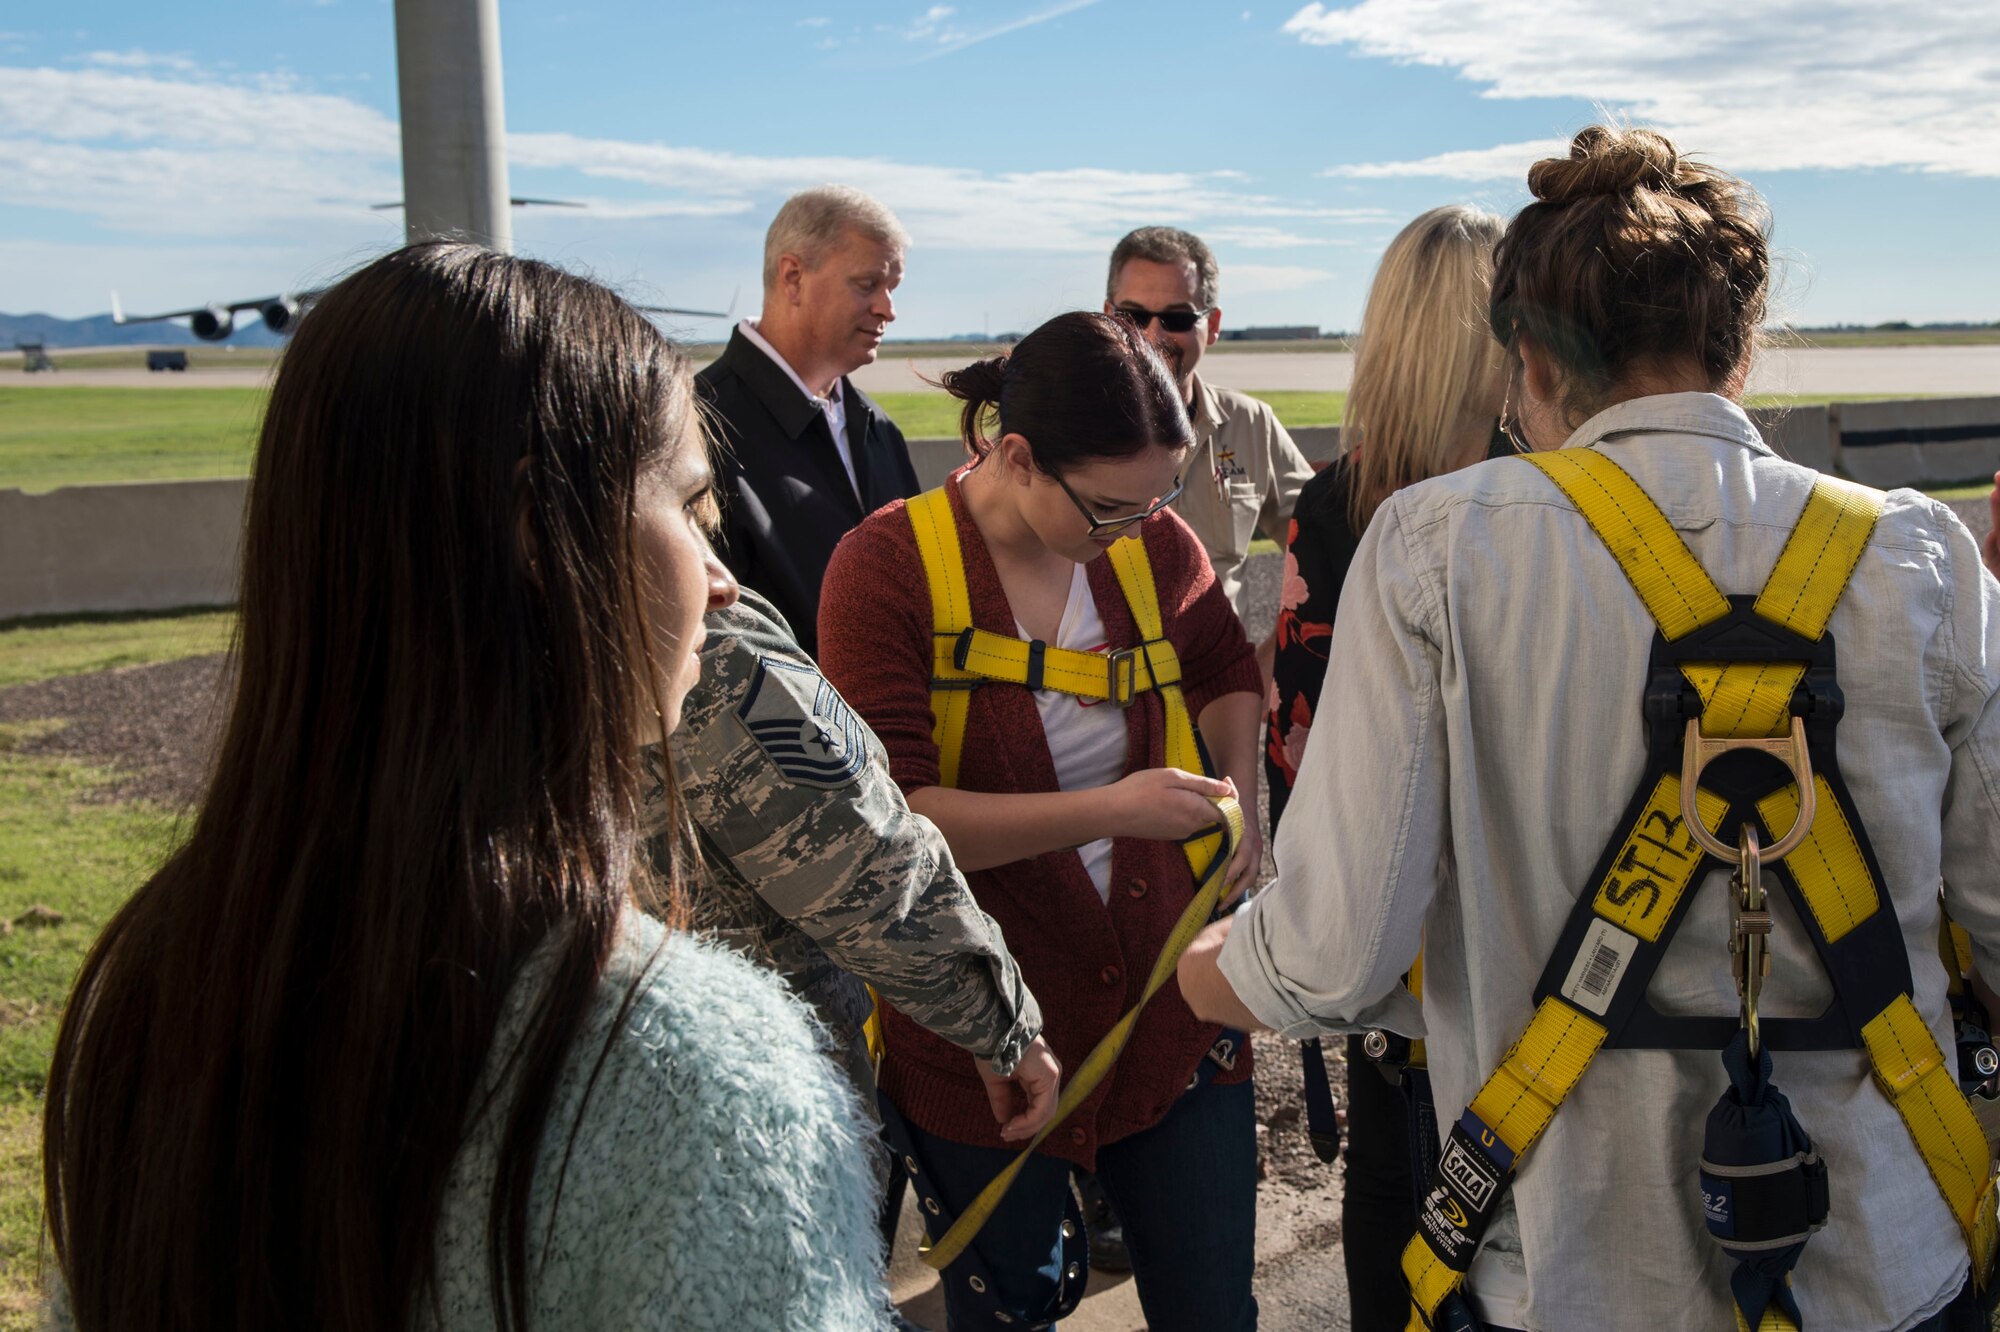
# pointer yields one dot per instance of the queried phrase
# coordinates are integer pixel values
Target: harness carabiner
(1749, 930)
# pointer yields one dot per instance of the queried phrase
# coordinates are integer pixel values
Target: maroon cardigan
(1086, 961)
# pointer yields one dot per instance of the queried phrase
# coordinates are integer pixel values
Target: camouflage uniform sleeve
(789, 786)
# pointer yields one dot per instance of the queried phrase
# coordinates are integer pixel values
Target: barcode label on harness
(1598, 966)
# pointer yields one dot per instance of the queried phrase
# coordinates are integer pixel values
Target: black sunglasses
(1174, 321)
(1100, 525)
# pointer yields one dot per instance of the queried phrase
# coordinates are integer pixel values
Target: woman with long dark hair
(1056, 794)
(388, 1042)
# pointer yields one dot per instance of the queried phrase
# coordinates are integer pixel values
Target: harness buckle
(1699, 751)
(1122, 676)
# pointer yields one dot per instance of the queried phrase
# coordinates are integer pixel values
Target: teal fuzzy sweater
(720, 1171)
(720, 1176)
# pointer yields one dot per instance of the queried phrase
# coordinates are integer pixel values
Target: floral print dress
(1318, 549)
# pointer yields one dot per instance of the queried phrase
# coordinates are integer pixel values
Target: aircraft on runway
(213, 323)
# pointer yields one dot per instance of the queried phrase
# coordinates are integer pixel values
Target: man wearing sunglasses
(1245, 473)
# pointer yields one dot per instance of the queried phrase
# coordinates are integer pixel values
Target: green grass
(78, 858)
(68, 851)
(52, 437)
(38, 649)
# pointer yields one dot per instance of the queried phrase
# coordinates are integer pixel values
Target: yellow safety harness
(965, 658)
(1733, 684)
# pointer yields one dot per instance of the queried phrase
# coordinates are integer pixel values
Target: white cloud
(203, 158)
(139, 60)
(1777, 85)
(1506, 161)
(954, 208)
(959, 41)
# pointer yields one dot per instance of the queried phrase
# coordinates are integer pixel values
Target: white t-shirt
(1086, 736)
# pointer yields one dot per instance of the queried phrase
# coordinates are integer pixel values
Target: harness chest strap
(1647, 871)
(967, 656)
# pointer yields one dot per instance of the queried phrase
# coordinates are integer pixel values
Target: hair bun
(977, 383)
(1605, 161)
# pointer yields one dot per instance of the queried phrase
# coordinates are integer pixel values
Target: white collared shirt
(1479, 734)
(833, 406)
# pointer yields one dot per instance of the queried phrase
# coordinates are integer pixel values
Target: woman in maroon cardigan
(1064, 817)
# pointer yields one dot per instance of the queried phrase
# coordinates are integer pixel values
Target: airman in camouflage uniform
(815, 866)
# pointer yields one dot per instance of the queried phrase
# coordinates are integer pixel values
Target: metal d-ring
(1700, 751)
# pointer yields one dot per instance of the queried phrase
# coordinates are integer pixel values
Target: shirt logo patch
(802, 724)
(1227, 469)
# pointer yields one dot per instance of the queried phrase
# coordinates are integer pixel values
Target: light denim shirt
(1479, 736)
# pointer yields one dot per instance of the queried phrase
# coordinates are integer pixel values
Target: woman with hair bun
(1062, 809)
(1529, 652)
(1425, 400)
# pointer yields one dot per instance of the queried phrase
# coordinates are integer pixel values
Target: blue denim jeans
(1185, 1188)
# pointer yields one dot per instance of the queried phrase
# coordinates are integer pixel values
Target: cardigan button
(1111, 975)
(1136, 888)
(1079, 1135)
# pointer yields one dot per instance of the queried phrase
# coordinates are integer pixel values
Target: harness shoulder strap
(951, 614)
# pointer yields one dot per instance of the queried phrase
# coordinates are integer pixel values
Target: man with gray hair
(1245, 473)
(806, 455)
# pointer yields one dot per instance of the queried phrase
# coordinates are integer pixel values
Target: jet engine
(280, 314)
(213, 324)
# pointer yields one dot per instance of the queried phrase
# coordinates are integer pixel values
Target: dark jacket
(786, 499)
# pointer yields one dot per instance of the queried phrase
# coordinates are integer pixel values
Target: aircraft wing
(118, 315)
(676, 310)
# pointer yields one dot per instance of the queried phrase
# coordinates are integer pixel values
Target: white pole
(454, 125)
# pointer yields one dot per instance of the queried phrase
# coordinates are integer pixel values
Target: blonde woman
(1426, 398)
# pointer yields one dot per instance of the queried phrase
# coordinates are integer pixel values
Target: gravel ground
(152, 725)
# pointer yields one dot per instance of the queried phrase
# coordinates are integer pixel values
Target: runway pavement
(1949, 371)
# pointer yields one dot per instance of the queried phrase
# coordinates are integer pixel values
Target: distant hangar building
(1273, 333)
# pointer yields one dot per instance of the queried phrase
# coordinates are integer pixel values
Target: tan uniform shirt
(1243, 478)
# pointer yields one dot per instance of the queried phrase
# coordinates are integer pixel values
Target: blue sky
(186, 153)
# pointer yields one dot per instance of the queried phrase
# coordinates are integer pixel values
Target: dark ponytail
(1082, 387)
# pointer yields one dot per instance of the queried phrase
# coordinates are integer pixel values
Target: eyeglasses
(1174, 321)
(1101, 525)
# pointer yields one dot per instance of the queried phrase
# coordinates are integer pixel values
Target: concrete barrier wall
(144, 546)
(1935, 442)
(160, 545)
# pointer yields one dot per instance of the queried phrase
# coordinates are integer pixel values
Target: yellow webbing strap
(1516, 1103)
(1093, 675)
(1912, 1072)
(951, 614)
(1813, 569)
(1677, 591)
(1772, 1321)
(1208, 854)
(1828, 866)
(1657, 863)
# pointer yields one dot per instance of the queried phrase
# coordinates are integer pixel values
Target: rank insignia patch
(804, 726)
